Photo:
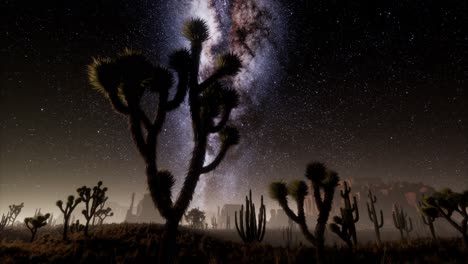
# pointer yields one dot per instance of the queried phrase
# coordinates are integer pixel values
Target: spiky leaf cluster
(196, 30)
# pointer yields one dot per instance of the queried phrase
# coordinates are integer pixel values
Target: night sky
(376, 89)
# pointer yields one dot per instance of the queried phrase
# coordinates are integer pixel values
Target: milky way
(255, 31)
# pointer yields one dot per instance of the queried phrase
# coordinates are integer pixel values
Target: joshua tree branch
(180, 93)
(222, 123)
(224, 148)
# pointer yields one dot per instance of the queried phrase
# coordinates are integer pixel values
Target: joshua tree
(401, 222)
(92, 200)
(323, 182)
(253, 231)
(36, 222)
(428, 215)
(214, 222)
(447, 203)
(195, 218)
(102, 214)
(344, 226)
(15, 210)
(126, 79)
(67, 211)
(373, 215)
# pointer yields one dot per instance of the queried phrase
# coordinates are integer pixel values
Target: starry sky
(375, 89)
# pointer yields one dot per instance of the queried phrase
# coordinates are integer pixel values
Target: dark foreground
(138, 243)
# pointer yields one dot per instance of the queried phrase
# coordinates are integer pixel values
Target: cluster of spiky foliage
(447, 203)
(195, 218)
(127, 78)
(214, 222)
(36, 222)
(248, 228)
(402, 222)
(324, 182)
(373, 215)
(67, 211)
(428, 215)
(344, 226)
(92, 199)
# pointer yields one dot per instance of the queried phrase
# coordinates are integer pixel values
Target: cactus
(453, 207)
(131, 76)
(324, 182)
(402, 222)
(373, 215)
(102, 214)
(36, 222)
(249, 229)
(344, 226)
(67, 211)
(214, 223)
(92, 200)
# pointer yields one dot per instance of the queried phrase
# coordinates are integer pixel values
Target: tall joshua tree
(92, 199)
(67, 211)
(324, 182)
(127, 78)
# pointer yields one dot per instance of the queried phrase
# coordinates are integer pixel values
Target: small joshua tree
(15, 210)
(448, 204)
(428, 215)
(373, 215)
(126, 79)
(102, 214)
(323, 182)
(402, 222)
(195, 218)
(92, 200)
(67, 211)
(249, 229)
(344, 226)
(36, 222)
(4, 221)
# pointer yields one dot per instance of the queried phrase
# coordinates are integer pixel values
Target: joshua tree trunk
(33, 236)
(65, 228)
(167, 248)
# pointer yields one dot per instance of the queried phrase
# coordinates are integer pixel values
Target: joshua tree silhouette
(126, 79)
(323, 182)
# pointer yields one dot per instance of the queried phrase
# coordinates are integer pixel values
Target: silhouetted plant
(14, 211)
(344, 226)
(36, 222)
(373, 215)
(4, 221)
(102, 214)
(447, 203)
(76, 227)
(248, 228)
(195, 218)
(228, 222)
(92, 200)
(323, 182)
(402, 222)
(214, 222)
(67, 211)
(428, 215)
(126, 79)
